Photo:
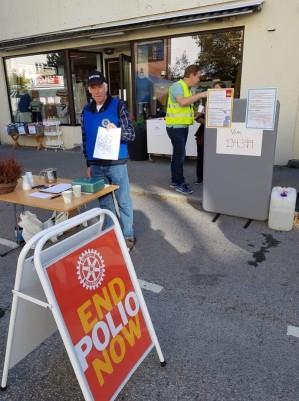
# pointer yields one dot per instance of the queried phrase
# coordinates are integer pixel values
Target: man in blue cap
(104, 108)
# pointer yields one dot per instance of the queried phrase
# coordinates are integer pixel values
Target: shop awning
(191, 16)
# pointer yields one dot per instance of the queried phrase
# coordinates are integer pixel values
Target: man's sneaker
(130, 242)
(173, 185)
(184, 189)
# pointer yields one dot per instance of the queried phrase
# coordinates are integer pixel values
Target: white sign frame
(27, 289)
(43, 257)
(219, 104)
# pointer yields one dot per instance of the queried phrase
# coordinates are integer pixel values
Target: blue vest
(93, 120)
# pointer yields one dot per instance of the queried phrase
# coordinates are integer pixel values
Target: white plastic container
(282, 208)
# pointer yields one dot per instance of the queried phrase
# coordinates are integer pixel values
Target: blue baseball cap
(96, 78)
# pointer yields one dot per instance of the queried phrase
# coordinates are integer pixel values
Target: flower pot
(6, 188)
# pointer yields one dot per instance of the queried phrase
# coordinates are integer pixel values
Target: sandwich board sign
(98, 307)
(101, 312)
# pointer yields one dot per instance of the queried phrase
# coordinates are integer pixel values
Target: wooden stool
(38, 139)
(15, 139)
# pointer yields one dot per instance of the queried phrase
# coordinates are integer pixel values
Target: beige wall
(270, 58)
(58, 15)
(296, 136)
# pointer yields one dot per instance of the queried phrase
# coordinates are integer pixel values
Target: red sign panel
(42, 80)
(229, 92)
(102, 313)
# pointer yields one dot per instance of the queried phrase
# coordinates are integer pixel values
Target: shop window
(82, 63)
(37, 87)
(159, 63)
(151, 51)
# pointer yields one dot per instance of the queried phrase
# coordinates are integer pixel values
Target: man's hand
(88, 172)
(186, 101)
(202, 95)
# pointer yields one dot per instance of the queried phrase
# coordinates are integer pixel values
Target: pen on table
(56, 196)
(38, 186)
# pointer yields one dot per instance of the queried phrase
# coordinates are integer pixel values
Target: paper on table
(107, 143)
(57, 189)
(40, 195)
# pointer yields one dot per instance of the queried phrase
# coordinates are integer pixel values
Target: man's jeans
(178, 137)
(118, 175)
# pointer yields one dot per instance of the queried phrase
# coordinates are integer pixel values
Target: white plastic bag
(31, 225)
(60, 217)
(55, 219)
(49, 223)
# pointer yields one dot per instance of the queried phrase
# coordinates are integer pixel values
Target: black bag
(12, 129)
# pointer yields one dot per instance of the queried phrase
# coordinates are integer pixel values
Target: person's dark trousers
(178, 137)
(199, 163)
(199, 137)
(36, 116)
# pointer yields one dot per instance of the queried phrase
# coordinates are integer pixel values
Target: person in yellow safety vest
(179, 116)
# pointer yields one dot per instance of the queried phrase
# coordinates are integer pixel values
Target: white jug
(282, 208)
(26, 185)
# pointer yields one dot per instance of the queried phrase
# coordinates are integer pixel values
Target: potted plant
(10, 172)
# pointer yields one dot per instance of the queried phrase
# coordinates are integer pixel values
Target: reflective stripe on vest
(176, 114)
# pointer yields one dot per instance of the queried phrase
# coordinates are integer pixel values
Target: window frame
(167, 37)
(67, 75)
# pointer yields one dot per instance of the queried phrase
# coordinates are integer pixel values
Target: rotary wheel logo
(90, 269)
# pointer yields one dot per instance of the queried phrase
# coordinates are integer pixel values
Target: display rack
(33, 130)
(53, 134)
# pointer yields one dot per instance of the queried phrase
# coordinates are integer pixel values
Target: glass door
(126, 80)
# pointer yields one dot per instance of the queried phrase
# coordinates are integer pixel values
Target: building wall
(57, 15)
(269, 59)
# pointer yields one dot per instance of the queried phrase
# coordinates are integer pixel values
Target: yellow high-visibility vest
(176, 114)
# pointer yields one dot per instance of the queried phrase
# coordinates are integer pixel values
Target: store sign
(44, 69)
(102, 314)
(46, 80)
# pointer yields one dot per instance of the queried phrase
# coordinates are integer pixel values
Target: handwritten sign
(239, 140)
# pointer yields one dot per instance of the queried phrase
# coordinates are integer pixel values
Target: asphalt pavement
(229, 298)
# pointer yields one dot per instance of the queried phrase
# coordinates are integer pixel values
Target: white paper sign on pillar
(239, 140)
(261, 108)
